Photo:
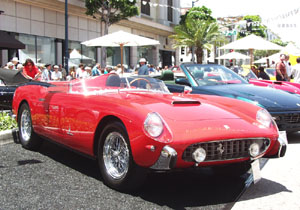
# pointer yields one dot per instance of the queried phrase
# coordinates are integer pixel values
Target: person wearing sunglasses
(30, 71)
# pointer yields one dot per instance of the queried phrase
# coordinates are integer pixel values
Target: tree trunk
(199, 54)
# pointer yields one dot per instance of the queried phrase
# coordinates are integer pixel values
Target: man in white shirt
(45, 73)
(296, 71)
(56, 75)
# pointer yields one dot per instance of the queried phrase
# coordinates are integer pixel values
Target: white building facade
(40, 25)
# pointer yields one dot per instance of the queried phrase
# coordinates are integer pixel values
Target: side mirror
(182, 81)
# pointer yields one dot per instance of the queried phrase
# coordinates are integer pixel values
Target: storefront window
(147, 53)
(45, 50)
(38, 49)
(29, 51)
(114, 56)
(81, 54)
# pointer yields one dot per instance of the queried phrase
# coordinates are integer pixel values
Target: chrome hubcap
(25, 125)
(116, 155)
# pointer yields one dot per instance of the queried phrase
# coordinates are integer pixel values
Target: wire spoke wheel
(25, 125)
(116, 155)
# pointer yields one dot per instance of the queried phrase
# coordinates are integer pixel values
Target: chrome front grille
(226, 149)
(292, 118)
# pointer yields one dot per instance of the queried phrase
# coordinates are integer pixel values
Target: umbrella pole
(251, 56)
(122, 46)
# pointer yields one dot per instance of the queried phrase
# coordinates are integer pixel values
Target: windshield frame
(98, 85)
(193, 81)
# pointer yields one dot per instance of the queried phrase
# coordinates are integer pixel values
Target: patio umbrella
(234, 55)
(275, 57)
(120, 39)
(252, 42)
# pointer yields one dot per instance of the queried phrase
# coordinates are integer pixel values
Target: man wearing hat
(143, 70)
(15, 61)
(45, 73)
(56, 75)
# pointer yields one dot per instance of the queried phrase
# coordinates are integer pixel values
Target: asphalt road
(56, 178)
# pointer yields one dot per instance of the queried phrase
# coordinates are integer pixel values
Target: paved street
(55, 178)
(280, 186)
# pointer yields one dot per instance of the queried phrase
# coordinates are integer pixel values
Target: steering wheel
(143, 79)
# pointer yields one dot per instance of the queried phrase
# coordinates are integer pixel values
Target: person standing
(281, 69)
(96, 70)
(143, 70)
(296, 71)
(30, 71)
(46, 73)
(15, 61)
(56, 75)
(288, 67)
(63, 71)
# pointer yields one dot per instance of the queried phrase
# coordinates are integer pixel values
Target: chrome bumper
(167, 159)
(283, 145)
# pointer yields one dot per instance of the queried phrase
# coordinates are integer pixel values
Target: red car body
(281, 85)
(77, 113)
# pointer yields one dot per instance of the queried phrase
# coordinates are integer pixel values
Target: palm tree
(197, 33)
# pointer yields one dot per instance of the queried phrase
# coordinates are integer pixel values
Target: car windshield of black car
(206, 75)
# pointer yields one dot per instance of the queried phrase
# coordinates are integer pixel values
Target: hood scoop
(188, 102)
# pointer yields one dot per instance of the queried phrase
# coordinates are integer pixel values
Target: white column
(133, 56)
(59, 56)
(98, 59)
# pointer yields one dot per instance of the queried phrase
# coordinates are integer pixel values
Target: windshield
(115, 83)
(213, 75)
(247, 73)
(270, 72)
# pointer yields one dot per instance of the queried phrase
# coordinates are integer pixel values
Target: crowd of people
(50, 72)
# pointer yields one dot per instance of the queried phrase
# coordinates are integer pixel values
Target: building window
(170, 10)
(39, 49)
(145, 7)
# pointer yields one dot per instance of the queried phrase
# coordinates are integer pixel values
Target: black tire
(132, 178)
(28, 138)
(235, 169)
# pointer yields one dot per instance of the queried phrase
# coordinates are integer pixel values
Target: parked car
(134, 124)
(281, 85)
(213, 79)
(9, 81)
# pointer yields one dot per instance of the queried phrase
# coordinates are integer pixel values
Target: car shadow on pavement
(264, 188)
(71, 159)
(177, 190)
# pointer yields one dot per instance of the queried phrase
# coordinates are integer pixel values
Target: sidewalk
(279, 187)
(8, 136)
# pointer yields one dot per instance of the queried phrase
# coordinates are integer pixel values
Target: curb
(8, 136)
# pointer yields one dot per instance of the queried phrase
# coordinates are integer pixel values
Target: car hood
(180, 108)
(269, 98)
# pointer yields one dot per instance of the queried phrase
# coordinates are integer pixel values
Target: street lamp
(66, 38)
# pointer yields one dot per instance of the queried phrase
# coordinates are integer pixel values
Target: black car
(213, 79)
(9, 81)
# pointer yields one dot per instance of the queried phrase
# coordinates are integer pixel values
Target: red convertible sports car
(134, 124)
(291, 87)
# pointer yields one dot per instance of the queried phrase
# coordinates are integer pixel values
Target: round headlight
(264, 118)
(254, 149)
(199, 155)
(153, 125)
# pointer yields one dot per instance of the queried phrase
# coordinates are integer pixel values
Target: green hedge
(7, 122)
